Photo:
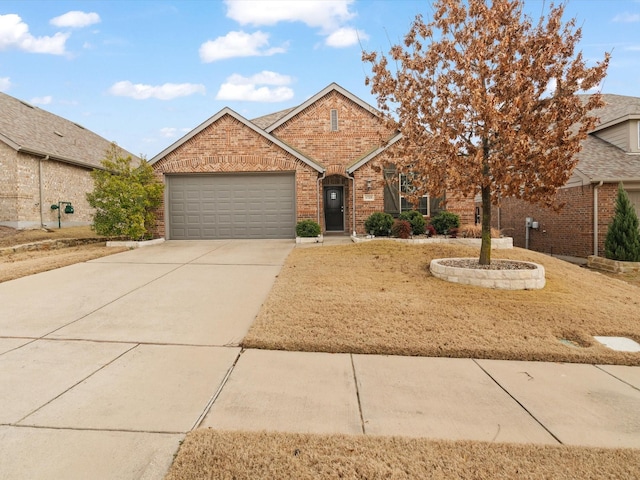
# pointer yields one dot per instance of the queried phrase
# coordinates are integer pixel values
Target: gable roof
(332, 87)
(371, 155)
(600, 160)
(29, 129)
(618, 108)
(248, 124)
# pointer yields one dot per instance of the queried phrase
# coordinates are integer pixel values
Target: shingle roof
(600, 160)
(30, 129)
(266, 120)
(617, 107)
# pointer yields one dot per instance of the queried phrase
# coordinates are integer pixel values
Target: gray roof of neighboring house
(618, 108)
(29, 129)
(601, 160)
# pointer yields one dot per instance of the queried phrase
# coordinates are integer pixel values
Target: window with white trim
(424, 204)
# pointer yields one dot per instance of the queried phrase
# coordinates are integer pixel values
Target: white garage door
(231, 206)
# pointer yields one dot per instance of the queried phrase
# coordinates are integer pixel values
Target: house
(323, 160)
(610, 155)
(44, 160)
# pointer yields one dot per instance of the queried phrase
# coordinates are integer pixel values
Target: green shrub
(401, 229)
(444, 221)
(125, 197)
(379, 224)
(416, 220)
(623, 238)
(307, 228)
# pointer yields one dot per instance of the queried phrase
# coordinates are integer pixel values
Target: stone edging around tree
(506, 279)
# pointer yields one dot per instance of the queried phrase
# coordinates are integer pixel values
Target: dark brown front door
(334, 209)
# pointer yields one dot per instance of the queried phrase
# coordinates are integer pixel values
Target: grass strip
(216, 454)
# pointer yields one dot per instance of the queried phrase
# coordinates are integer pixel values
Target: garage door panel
(231, 206)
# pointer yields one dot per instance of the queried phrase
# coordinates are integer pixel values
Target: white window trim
(401, 196)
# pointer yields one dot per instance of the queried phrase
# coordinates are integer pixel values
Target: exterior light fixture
(68, 209)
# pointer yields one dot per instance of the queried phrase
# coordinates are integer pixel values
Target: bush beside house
(623, 236)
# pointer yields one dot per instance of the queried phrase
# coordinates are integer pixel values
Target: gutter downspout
(324, 174)
(353, 209)
(40, 180)
(595, 217)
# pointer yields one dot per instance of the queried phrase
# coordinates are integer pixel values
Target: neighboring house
(323, 160)
(44, 159)
(609, 156)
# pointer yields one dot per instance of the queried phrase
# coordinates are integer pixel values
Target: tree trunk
(485, 246)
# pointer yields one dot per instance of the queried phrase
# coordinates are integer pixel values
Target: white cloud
(314, 13)
(168, 91)
(5, 84)
(46, 100)
(172, 132)
(75, 19)
(345, 37)
(263, 78)
(247, 89)
(15, 33)
(328, 16)
(627, 17)
(238, 44)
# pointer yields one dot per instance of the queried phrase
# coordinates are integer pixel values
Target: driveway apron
(105, 365)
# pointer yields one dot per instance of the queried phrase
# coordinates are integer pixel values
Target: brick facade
(29, 185)
(226, 144)
(568, 232)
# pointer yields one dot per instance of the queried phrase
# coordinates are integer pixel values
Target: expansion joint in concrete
(215, 396)
(355, 381)
(519, 403)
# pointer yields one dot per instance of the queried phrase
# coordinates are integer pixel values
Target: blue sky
(143, 73)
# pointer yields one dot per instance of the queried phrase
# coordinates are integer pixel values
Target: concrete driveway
(105, 365)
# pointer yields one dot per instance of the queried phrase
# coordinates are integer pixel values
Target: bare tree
(486, 102)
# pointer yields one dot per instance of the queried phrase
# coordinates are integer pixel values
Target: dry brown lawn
(238, 455)
(28, 262)
(10, 237)
(379, 298)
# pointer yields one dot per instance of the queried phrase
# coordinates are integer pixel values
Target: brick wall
(465, 207)
(8, 185)
(230, 146)
(568, 232)
(20, 194)
(310, 132)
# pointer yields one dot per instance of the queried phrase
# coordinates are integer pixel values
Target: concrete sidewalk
(106, 365)
(443, 398)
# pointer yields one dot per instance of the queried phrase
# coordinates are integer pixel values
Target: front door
(334, 209)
